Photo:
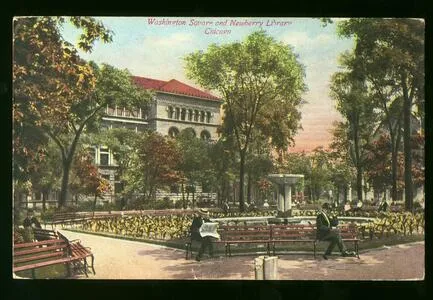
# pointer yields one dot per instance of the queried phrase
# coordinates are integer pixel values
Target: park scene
(218, 148)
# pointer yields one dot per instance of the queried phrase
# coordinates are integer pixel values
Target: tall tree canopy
(261, 83)
(390, 54)
(56, 92)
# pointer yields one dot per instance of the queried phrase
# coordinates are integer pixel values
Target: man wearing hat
(201, 217)
(325, 232)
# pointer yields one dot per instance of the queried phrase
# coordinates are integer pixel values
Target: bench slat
(40, 249)
(32, 258)
(42, 264)
(32, 244)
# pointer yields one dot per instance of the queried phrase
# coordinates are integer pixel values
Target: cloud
(301, 40)
(173, 40)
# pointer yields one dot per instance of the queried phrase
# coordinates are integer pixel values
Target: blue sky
(156, 51)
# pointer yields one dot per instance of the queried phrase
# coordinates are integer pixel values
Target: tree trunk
(183, 196)
(407, 105)
(357, 158)
(65, 182)
(359, 183)
(94, 205)
(241, 181)
(249, 189)
(394, 167)
(44, 200)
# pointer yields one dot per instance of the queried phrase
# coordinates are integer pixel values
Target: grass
(51, 272)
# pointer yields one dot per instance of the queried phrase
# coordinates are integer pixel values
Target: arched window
(170, 112)
(196, 115)
(173, 132)
(208, 116)
(177, 113)
(205, 135)
(190, 114)
(183, 114)
(202, 116)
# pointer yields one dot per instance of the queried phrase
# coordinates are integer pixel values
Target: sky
(155, 46)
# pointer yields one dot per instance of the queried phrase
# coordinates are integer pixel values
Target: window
(205, 135)
(170, 112)
(173, 132)
(127, 113)
(183, 114)
(104, 156)
(190, 115)
(196, 115)
(177, 113)
(202, 116)
(208, 116)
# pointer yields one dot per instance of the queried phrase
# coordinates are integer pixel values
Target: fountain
(284, 183)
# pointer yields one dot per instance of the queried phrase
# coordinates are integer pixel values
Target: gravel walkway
(122, 259)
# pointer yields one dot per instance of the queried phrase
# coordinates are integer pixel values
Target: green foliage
(154, 164)
(49, 77)
(389, 55)
(146, 227)
(261, 83)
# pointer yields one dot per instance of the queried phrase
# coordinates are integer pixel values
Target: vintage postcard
(218, 148)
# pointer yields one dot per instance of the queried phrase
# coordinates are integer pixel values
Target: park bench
(45, 234)
(71, 218)
(276, 234)
(30, 256)
(238, 234)
(51, 248)
(299, 233)
(79, 254)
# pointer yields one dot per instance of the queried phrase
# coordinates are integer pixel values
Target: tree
(343, 170)
(353, 102)
(391, 55)
(256, 78)
(154, 165)
(48, 77)
(113, 87)
(195, 162)
(90, 182)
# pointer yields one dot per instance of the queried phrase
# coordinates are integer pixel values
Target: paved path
(121, 259)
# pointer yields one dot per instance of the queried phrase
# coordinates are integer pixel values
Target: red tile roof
(172, 86)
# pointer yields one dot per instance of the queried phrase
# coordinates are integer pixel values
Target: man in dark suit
(206, 242)
(325, 232)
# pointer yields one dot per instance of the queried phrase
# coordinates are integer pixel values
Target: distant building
(176, 106)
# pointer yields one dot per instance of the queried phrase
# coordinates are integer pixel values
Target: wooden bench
(293, 233)
(30, 256)
(275, 234)
(296, 233)
(239, 234)
(74, 218)
(79, 254)
(52, 248)
(45, 234)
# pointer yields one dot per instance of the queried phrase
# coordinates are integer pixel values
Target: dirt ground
(122, 259)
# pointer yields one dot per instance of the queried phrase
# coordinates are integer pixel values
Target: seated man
(325, 232)
(196, 234)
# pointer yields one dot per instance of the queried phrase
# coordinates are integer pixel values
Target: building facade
(175, 106)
